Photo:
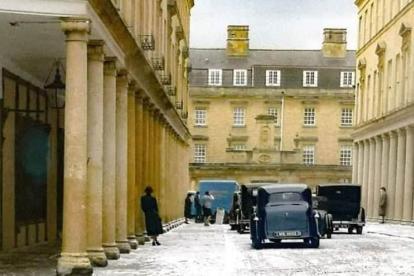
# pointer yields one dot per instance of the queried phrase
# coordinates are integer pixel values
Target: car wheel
(312, 242)
(359, 230)
(350, 230)
(241, 228)
(257, 244)
(329, 234)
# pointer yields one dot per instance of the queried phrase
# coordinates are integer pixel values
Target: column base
(123, 246)
(73, 264)
(111, 251)
(140, 239)
(133, 243)
(97, 257)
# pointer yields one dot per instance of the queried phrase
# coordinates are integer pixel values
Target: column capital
(132, 87)
(392, 134)
(384, 136)
(400, 132)
(76, 29)
(122, 77)
(139, 94)
(95, 50)
(378, 138)
(110, 66)
(409, 129)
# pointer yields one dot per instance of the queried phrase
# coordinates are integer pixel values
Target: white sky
(274, 24)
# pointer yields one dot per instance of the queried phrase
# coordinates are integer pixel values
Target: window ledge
(305, 126)
(200, 126)
(346, 127)
(238, 126)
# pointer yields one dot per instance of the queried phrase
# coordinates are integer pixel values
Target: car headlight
(256, 218)
(317, 215)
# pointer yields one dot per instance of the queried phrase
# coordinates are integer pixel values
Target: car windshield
(285, 197)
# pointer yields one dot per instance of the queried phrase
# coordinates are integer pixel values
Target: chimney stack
(238, 40)
(334, 43)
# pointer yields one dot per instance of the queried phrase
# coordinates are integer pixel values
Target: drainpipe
(281, 121)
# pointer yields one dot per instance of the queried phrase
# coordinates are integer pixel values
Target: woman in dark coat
(187, 208)
(152, 220)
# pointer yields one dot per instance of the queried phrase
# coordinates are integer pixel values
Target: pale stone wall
(328, 135)
(384, 104)
(150, 137)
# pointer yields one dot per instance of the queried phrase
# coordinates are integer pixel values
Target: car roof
(277, 188)
(338, 185)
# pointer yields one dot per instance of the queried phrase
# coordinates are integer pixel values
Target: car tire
(359, 230)
(312, 242)
(241, 229)
(350, 230)
(257, 244)
(329, 226)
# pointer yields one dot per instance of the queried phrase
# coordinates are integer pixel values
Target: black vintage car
(284, 211)
(343, 201)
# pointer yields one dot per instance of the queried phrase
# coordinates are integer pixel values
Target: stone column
(371, 178)
(365, 176)
(150, 145)
(355, 163)
(163, 180)
(122, 161)
(399, 187)
(360, 162)
(392, 172)
(409, 175)
(384, 160)
(139, 150)
(145, 143)
(74, 259)
(132, 193)
(109, 155)
(95, 152)
(377, 176)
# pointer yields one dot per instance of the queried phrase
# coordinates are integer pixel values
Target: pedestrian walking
(207, 203)
(382, 210)
(197, 206)
(187, 208)
(152, 219)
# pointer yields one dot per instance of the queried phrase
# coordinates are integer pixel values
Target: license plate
(287, 234)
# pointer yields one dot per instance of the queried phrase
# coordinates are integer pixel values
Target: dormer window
(310, 78)
(240, 77)
(215, 77)
(347, 79)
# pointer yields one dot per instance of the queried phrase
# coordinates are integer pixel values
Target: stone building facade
(75, 158)
(384, 135)
(272, 115)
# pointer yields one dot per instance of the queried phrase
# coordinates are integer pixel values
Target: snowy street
(197, 250)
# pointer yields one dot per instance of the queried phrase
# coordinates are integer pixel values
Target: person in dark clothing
(197, 205)
(152, 220)
(187, 208)
(382, 209)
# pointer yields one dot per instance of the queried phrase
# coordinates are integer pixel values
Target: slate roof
(217, 58)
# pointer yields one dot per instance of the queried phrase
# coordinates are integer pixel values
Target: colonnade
(387, 160)
(117, 141)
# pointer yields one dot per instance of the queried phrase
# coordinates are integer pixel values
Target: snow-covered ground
(197, 250)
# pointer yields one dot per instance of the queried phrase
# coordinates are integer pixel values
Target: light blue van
(222, 190)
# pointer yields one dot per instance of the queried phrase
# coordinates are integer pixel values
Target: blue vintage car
(284, 211)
